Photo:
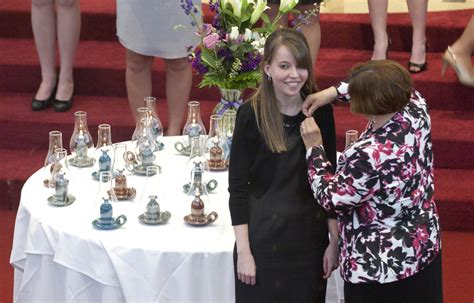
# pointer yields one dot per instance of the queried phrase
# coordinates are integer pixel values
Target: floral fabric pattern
(382, 193)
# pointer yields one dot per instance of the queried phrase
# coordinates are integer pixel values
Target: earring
(269, 78)
(372, 120)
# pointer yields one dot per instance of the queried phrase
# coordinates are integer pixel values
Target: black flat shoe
(62, 106)
(421, 67)
(37, 105)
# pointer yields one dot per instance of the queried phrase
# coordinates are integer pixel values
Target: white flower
(236, 6)
(255, 36)
(234, 33)
(259, 43)
(287, 5)
(247, 35)
(259, 7)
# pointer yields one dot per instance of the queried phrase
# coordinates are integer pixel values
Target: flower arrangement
(231, 47)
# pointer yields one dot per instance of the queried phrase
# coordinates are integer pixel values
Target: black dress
(287, 229)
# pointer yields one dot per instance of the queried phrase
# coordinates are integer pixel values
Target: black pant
(424, 287)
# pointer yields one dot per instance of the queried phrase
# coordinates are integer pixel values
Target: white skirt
(157, 28)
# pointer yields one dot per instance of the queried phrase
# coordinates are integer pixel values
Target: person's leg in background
(312, 32)
(178, 87)
(378, 20)
(68, 29)
(43, 21)
(459, 55)
(138, 79)
(418, 11)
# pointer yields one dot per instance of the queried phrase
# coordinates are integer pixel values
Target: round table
(59, 257)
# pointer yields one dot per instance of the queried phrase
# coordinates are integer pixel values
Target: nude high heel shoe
(463, 75)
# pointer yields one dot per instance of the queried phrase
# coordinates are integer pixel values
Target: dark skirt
(283, 282)
(423, 287)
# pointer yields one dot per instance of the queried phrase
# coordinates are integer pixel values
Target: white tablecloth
(59, 257)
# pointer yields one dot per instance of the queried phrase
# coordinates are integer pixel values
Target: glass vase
(142, 113)
(216, 145)
(120, 166)
(231, 99)
(155, 123)
(81, 141)
(145, 148)
(352, 136)
(55, 141)
(104, 153)
(106, 190)
(228, 125)
(194, 126)
(60, 180)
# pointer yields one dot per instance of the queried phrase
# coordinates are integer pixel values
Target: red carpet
(346, 40)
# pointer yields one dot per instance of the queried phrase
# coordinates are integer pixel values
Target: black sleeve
(324, 117)
(239, 168)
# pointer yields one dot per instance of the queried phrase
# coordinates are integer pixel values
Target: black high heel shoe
(421, 67)
(37, 105)
(63, 105)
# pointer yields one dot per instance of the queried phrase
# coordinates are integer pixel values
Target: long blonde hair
(264, 102)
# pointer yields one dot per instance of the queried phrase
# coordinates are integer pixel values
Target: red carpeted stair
(100, 91)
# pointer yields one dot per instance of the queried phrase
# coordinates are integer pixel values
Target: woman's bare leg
(138, 79)
(378, 20)
(178, 87)
(464, 46)
(43, 21)
(68, 28)
(312, 32)
(418, 11)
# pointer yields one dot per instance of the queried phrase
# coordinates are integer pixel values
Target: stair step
(449, 128)
(338, 30)
(454, 198)
(102, 73)
(449, 135)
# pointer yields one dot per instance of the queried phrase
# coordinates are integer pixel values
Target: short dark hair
(379, 87)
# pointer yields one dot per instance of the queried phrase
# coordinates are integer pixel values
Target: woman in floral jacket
(382, 191)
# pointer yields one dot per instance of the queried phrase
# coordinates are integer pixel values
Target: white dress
(148, 27)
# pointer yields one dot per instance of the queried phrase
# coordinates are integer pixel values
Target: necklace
(289, 125)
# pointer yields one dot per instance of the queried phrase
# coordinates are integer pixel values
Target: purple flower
(197, 63)
(188, 6)
(206, 29)
(214, 5)
(216, 22)
(226, 54)
(211, 41)
(251, 63)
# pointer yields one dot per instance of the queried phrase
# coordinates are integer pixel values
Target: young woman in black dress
(282, 251)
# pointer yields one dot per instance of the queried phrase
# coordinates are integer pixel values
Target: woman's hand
(310, 133)
(330, 259)
(321, 98)
(246, 268)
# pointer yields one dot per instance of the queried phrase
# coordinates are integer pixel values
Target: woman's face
(287, 78)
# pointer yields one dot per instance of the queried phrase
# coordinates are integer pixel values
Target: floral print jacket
(382, 193)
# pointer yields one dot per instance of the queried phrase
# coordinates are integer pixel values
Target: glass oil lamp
(81, 141)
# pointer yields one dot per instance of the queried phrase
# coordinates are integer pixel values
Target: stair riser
(102, 27)
(111, 82)
(453, 215)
